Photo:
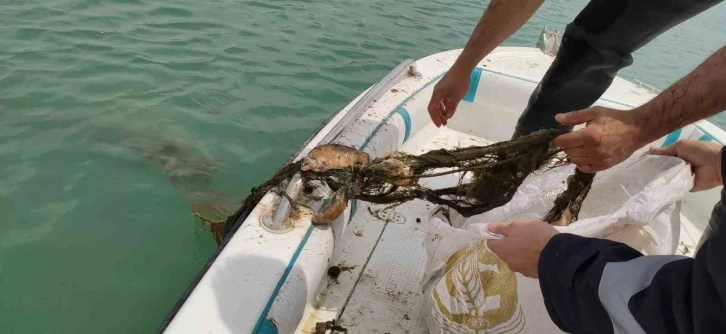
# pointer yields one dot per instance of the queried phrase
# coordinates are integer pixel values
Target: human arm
(611, 136)
(596, 286)
(704, 158)
(599, 286)
(500, 20)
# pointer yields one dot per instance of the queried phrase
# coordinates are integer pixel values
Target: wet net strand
(488, 177)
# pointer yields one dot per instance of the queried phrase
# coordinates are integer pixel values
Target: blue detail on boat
(704, 131)
(473, 85)
(706, 137)
(263, 317)
(406, 122)
(353, 208)
(268, 327)
(380, 125)
(672, 138)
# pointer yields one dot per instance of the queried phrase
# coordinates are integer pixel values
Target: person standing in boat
(595, 46)
(594, 285)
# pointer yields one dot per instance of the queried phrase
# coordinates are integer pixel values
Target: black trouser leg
(595, 46)
(714, 222)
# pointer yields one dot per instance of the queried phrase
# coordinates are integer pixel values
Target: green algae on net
(496, 171)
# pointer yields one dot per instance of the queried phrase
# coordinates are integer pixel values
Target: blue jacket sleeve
(601, 286)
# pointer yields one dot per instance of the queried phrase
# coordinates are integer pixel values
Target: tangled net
(488, 177)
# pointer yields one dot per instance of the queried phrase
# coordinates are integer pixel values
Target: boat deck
(381, 291)
(387, 298)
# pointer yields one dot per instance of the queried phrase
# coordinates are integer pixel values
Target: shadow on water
(189, 169)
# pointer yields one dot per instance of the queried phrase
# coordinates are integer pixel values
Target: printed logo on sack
(478, 294)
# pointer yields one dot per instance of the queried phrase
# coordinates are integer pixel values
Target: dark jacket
(602, 286)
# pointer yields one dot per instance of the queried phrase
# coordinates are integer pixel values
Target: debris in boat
(334, 272)
(395, 167)
(683, 248)
(333, 156)
(344, 267)
(567, 205)
(324, 327)
(314, 191)
(412, 72)
(497, 171)
(358, 233)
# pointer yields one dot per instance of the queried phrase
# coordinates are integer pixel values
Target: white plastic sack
(468, 289)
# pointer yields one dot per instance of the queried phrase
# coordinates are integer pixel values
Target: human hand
(448, 92)
(705, 160)
(609, 138)
(522, 244)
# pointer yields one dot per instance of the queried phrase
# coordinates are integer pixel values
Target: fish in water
(189, 169)
(333, 156)
(177, 167)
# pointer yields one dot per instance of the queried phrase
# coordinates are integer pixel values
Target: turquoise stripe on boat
(473, 85)
(406, 122)
(260, 326)
(353, 209)
(268, 327)
(672, 138)
(706, 137)
(380, 125)
(704, 131)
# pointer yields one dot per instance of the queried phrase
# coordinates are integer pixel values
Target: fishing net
(488, 177)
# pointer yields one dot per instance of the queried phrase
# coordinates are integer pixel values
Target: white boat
(272, 277)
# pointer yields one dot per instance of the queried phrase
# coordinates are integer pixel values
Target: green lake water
(107, 107)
